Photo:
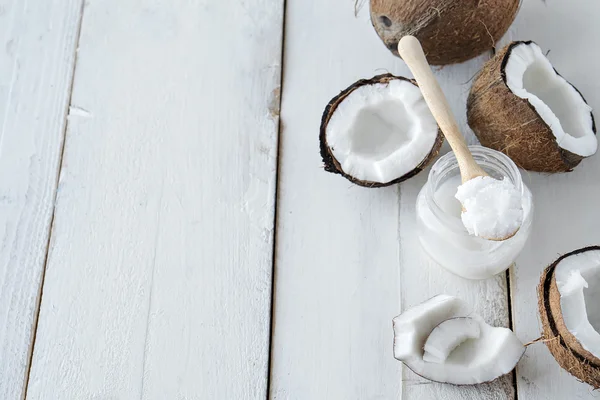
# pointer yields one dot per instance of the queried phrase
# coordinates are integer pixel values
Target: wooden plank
(347, 258)
(337, 249)
(421, 278)
(567, 214)
(37, 52)
(158, 283)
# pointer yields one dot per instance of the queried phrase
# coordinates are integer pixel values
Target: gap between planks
(57, 180)
(276, 203)
(511, 325)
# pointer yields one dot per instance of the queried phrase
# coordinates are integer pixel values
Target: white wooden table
(166, 228)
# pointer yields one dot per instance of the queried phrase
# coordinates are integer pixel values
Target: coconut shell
(450, 31)
(507, 123)
(331, 163)
(562, 344)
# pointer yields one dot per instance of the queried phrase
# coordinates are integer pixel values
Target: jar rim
(494, 162)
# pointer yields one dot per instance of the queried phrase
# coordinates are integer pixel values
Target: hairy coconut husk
(507, 123)
(562, 344)
(332, 165)
(450, 31)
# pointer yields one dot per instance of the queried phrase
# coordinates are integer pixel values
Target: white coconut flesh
(531, 76)
(492, 354)
(578, 282)
(382, 131)
(447, 336)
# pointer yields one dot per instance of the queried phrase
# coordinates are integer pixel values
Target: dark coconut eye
(385, 21)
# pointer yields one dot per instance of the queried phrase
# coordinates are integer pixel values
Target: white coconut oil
(445, 196)
(492, 208)
(441, 231)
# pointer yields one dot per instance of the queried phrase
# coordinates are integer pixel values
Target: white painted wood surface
(347, 257)
(567, 215)
(336, 287)
(37, 52)
(158, 284)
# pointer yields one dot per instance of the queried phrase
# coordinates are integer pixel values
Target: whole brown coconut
(450, 31)
(510, 124)
(565, 348)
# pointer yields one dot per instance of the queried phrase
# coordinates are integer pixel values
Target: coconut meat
(494, 353)
(447, 336)
(531, 76)
(413, 326)
(578, 282)
(382, 131)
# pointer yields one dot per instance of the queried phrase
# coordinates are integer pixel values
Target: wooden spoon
(412, 53)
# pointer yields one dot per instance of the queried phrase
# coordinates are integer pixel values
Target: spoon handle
(412, 53)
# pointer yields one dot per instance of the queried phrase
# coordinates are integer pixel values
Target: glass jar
(441, 231)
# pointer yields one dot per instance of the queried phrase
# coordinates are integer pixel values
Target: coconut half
(569, 304)
(379, 132)
(521, 106)
(450, 31)
(435, 341)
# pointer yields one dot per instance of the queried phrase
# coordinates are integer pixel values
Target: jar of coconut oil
(441, 231)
